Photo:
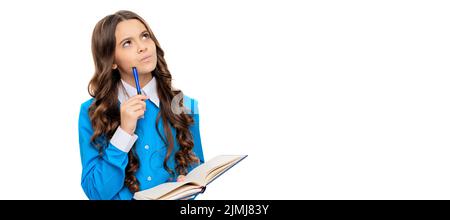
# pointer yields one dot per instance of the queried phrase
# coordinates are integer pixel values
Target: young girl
(131, 142)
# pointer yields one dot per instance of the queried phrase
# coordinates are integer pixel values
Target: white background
(330, 99)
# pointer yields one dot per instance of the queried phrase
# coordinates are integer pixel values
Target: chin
(147, 69)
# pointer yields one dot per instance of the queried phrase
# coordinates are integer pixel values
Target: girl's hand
(130, 111)
(181, 178)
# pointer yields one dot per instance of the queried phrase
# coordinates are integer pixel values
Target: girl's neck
(143, 79)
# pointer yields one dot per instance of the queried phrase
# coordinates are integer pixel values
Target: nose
(141, 48)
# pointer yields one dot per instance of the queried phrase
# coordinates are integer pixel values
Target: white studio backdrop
(330, 99)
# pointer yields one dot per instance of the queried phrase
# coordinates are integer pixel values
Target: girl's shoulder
(85, 105)
(190, 104)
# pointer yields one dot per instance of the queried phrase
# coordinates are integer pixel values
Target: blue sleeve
(198, 150)
(192, 106)
(195, 129)
(102, 176)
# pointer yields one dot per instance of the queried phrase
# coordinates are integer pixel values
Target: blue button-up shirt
(103, 175)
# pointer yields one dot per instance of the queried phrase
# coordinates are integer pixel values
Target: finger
(130, 101)
(139, 105)
(135, 111)
(138, 97)
(181, 178)
(136, 102)
(139, 113)
(135, 108)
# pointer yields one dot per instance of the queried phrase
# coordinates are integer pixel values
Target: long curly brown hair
(104, 112)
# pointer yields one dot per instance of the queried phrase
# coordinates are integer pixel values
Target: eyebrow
(128, 38)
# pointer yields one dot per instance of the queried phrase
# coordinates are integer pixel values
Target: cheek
(154, 52)
(152, 47)
(123, 59)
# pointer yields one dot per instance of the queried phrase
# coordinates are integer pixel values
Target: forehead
(129, 28)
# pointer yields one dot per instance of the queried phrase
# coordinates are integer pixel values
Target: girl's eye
(126, 43)
(146, 36)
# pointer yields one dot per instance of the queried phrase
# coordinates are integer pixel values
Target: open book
(194, 183)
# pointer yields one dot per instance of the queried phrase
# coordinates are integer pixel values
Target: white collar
(149, 90)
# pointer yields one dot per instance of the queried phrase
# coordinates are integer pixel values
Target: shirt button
(146, 147)
(149, 178)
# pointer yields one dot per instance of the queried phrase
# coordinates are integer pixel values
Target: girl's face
(134, 48)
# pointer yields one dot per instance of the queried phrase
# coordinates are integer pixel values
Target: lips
(146, 58)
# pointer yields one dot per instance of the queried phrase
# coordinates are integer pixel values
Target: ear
(114, 66)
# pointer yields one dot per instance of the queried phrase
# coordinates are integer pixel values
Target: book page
(182, 193)
(202, 174)
(158, 191)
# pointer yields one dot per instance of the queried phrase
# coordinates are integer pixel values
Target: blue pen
(136, 80)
